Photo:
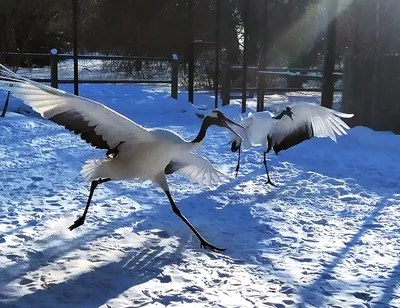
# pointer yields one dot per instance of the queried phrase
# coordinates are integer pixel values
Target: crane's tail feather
(89, 170)
(342, 114)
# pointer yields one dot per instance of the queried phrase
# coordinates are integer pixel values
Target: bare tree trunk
(330, 55)
(376, 118)
(10, 43)
(11, 39)
(229, 40)
(356, 8)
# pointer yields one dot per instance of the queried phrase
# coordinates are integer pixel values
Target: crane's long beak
(291, 114)
(225, 122)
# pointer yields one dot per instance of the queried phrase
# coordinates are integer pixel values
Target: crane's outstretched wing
(308, 121)
(195, 169)
(97, 124)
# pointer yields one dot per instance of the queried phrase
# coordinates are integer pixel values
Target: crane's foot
(204, 244)
(79, 222)
(269, 182)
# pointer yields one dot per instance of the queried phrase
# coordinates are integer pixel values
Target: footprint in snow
(161, 234)
(23, 236)
(165, 279)
(287, 290)
(55, 204)
(12, 257)
(288, 302)
(37, 178)
(321, 221)
(304, 260)
(327, 276)
(193, 289)
(363, 296)
(25, 281)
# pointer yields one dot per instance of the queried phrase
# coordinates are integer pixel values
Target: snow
(327, 235)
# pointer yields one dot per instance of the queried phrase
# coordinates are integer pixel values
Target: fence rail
(254, 89)
(65, 56)
(98, 81)
(300, 75)
(54, 60)
(237, 67)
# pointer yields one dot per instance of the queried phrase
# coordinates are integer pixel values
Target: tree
(30, 26)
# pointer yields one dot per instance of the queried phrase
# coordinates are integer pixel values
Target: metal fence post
(191, 72)
(54, 68)
(174, 76)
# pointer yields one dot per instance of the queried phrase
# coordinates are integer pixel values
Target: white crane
(292, 126)
(133, 152)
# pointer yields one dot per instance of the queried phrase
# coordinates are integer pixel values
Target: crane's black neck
(203, 130)
(279, 116)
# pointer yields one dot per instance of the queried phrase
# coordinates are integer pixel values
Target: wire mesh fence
(94, 67)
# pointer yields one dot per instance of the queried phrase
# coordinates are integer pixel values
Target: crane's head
(216, 117)
(288, 111)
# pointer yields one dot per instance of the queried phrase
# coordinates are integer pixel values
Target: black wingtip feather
(173, 166)
(74, 122)
(303, 133)
(235, 146)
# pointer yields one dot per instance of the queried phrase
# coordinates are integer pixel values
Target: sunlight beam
(304, 33)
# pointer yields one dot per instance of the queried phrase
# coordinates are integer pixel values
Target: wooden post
(174, 76)
(54, 68)
(75, 44)
(3, 114)
(379, 60)
(245, 39)
(191, 73)
(367, 78)
(216, 83)
(138, 65)
(190, 53)
(329, 59)
(263, 59)
(226, 84)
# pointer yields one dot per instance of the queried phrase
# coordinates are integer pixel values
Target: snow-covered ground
(327, 236)
(102, 69)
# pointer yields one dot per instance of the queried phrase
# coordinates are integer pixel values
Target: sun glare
(303, 34)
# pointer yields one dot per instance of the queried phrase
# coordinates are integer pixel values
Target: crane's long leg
(81, 220)
(203, 242)
(266, 168)
(238, 163)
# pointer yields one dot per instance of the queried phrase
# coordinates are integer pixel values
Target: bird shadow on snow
(314, 293)
(222, 216)
(136, 267)
(392, 283)
(356, 182)
(95, 287)
(231, 223)
(147, 262)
